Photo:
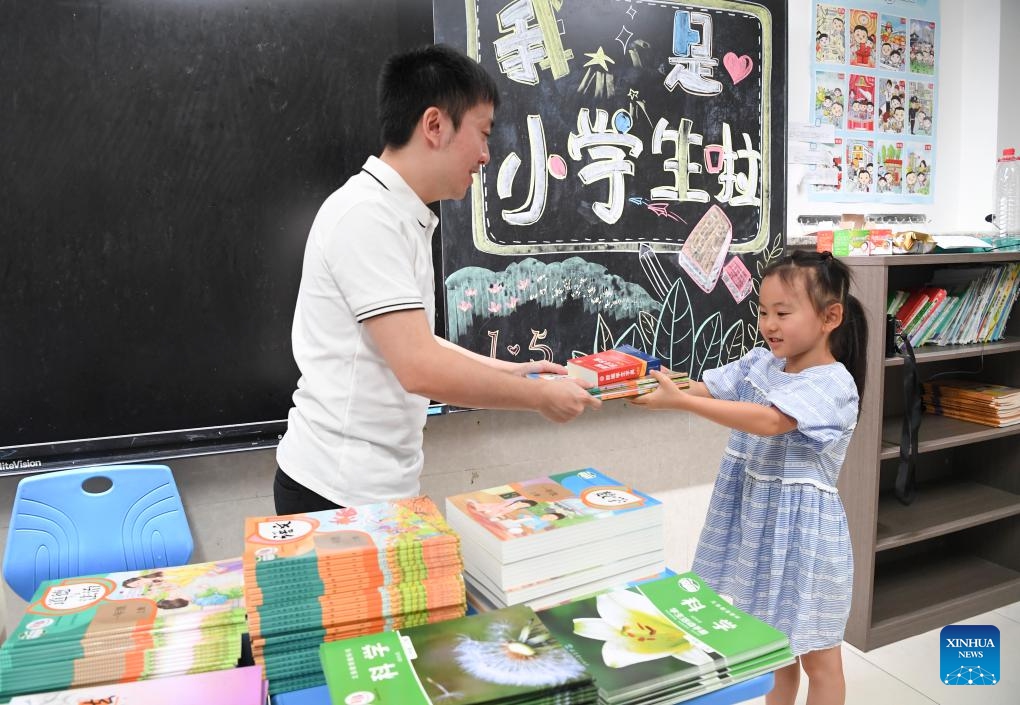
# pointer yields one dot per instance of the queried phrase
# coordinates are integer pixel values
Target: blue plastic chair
(94, 520)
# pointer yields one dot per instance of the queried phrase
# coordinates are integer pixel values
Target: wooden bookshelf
(955, 551)
(941, 508)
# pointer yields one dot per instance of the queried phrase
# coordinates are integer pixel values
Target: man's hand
(667, 396)
(561, 401)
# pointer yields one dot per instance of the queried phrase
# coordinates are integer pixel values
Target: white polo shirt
(354, 435)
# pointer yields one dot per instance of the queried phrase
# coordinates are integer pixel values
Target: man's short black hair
(435, 75)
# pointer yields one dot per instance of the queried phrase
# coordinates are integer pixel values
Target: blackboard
(636, 182)
(162, 163)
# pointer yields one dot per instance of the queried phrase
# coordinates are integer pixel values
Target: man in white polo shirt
(362, 333)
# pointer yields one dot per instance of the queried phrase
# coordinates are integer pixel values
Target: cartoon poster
(889, 167)
(863, 27)
(830, 98)
(921, 107)
(922, 47)
(892, 43)
(830, 34)
(918, 169)
(892, 105)
(860, 166)
(861, 98)
(889, 59)
(635, 153)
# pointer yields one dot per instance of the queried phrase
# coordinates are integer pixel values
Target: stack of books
(549, 539)
(323, 576)
(505, 657)
(665, 641)
(126, 626)
(979, 402)
(627, 388)
(236, 686)
(960, 305)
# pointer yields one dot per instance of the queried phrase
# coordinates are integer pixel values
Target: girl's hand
(667, 396)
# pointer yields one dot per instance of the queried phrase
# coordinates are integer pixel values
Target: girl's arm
(740, 415)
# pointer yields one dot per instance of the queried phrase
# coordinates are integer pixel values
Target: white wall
(966, 122)
(1009, 76)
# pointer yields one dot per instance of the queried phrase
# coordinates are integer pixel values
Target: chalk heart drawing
(514, 349)
(739, 67)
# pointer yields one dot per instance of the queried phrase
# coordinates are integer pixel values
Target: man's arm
(517, 368)
(442, 373)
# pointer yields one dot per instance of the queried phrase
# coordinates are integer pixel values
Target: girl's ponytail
(827, 282)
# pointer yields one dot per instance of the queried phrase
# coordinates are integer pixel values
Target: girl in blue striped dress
(776, 537)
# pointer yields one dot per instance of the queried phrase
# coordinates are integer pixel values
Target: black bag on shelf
(898, 344)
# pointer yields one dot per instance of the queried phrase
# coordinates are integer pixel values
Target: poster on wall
(635, 188)
(874, 77)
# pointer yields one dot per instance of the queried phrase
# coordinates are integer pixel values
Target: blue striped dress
(776, 537)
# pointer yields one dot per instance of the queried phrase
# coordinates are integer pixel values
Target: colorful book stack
(233, 686)
(628, 388)
(549, 539)
(127, 626)
(960, 305)
(323, 576)
(978, 402)
(665, 641)
(506, 657)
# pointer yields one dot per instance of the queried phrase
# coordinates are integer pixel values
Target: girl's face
(860, 36)
(791, 326)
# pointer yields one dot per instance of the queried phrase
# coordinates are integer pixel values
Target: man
(362, 333)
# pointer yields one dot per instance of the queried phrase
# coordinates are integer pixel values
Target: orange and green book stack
(324, 576)
(126, 626)
(978, 402)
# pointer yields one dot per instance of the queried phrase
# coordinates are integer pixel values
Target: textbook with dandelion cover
(507, 656)
(673, 635)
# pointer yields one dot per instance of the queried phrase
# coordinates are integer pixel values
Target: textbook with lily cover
(665, 640)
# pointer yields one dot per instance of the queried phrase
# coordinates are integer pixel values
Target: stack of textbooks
(505, 657)
(665, 641)
(978, 402)
(960, 305)
(233, 686)
(323, 576)
(127, 626)
(550, 539)
(627, 388)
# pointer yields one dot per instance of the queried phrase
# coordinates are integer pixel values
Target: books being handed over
(126, 626)
(506, 657)
(547, 539)
(665, 641)
(978, 402)
(609, 366)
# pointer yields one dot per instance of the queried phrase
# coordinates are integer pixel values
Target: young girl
(776, 537)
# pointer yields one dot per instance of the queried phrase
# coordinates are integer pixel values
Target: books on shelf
(610, 366)
(323, 576)
(237, 686)
(978, 402)
(960, 305)
(665, 640)
(545, 540)
(126, 626)
(506, 656)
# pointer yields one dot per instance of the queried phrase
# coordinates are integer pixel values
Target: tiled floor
(907, 672)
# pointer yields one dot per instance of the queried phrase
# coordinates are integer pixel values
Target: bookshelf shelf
(939, 432)
(941, 509)
(955, 551)
(958, 586)
(932, 353)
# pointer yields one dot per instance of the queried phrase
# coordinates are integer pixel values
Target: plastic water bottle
(1007, 194)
